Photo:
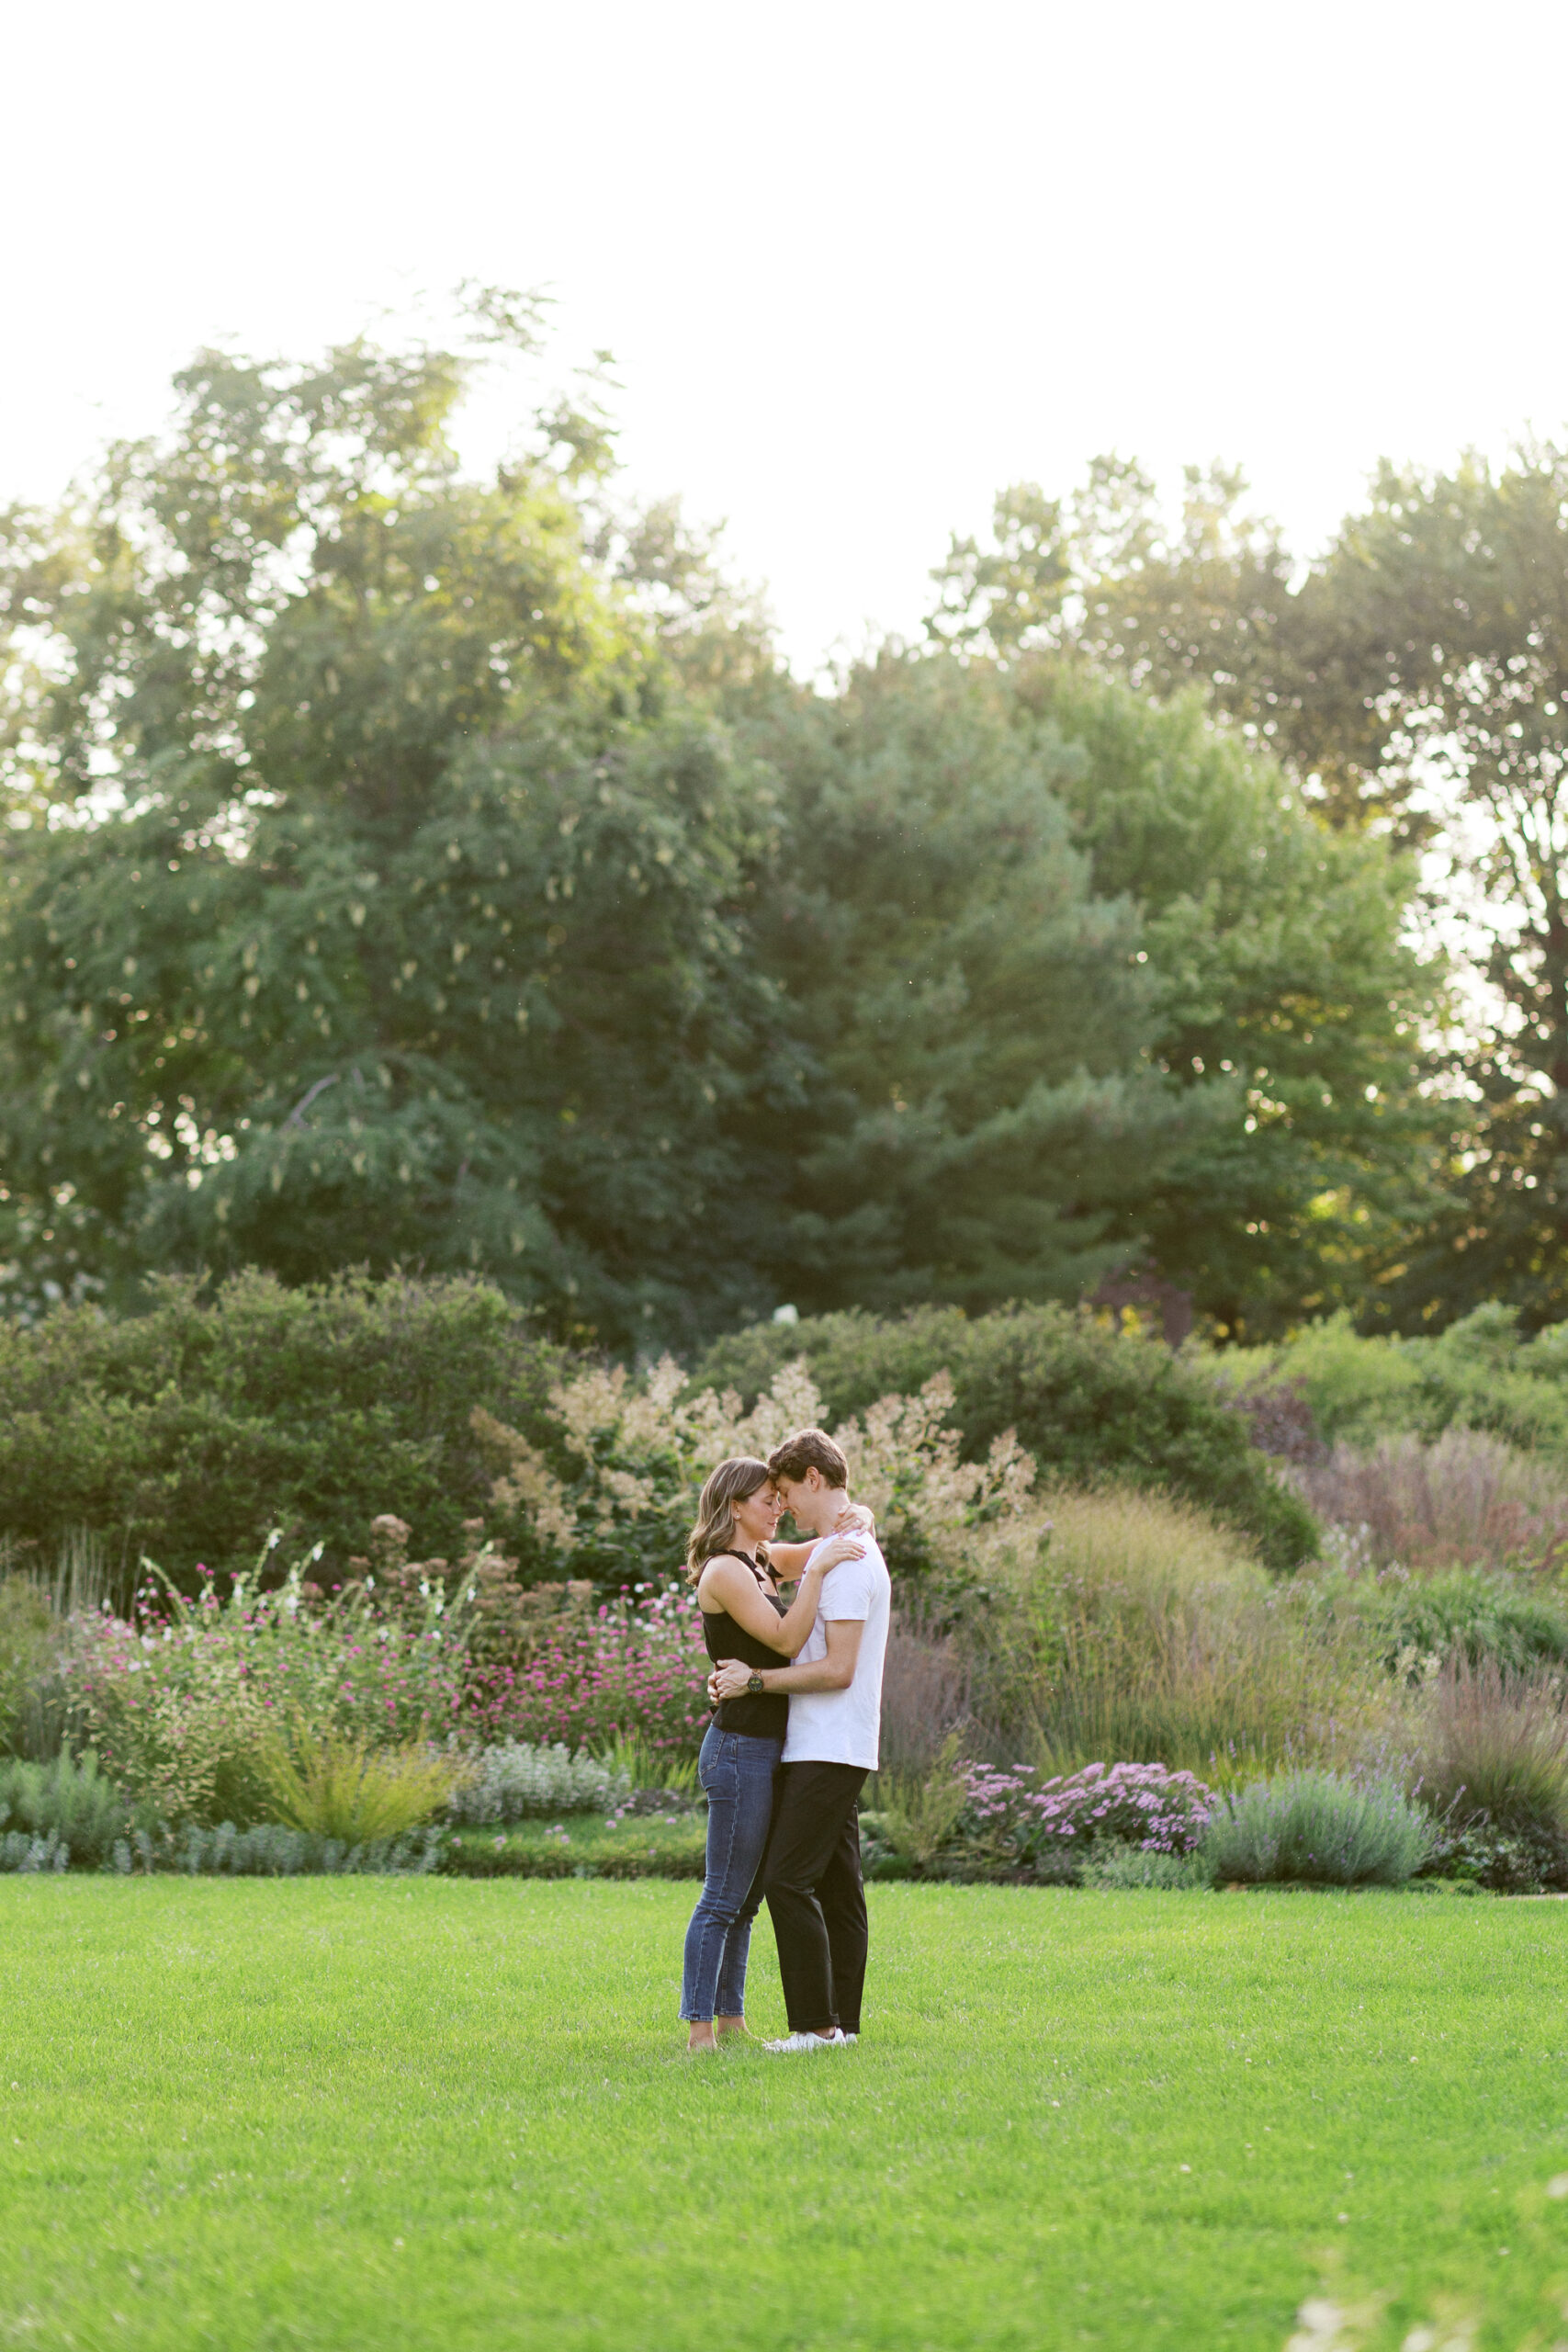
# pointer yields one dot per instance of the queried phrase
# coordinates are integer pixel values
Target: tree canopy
(1415, 681)
(406, 869)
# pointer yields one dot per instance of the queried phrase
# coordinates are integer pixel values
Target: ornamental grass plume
(632, 1456)
(1467, 1500)
(1147, 1630)
(1493, 1746)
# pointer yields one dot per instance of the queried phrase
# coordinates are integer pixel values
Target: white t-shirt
(843, 1726)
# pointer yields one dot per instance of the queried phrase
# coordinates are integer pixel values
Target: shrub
(1480, 1374)
(1036, 1821)
(969, 1819)
(1144, 1631)
(1521, 1861)
(332, 1784)
(514, 1781)
(189, 1431)
(1493, 1749)
(183, 1700)
(1093, 1405)
(637, 1454)
(26, 1653)
(270, 1850)
(634, 1669)
(1317, 1828)
(1469, 1498)
(66, 1804)
(1473, 1614)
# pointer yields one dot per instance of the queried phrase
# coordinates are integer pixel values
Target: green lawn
(376, 2113)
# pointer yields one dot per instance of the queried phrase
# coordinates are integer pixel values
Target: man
(811, 1871)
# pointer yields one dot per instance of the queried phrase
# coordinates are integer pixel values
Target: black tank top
(766, 1715)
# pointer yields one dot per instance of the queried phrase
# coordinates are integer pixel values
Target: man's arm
(834, 1672)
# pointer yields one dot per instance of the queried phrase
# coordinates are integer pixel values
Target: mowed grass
(377, 2113)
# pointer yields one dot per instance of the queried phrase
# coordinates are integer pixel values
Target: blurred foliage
(1475, 1614)
(191, 1431)
(1086, 1404)
(1482, 1372)
(1416, 679)
(404, 870)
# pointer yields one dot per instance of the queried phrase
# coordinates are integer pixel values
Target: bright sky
(859, 264)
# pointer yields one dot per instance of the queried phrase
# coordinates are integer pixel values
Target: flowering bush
(181, 1700)
(973, 1820)
(629, 1668)
(638, 1456)
(1033, 1821)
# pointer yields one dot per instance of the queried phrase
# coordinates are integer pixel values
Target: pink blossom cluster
(1138, 1805)
(255, 1652)
(635, 1667)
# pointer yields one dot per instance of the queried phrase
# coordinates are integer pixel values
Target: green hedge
(648, 1849)
(1481, 1374)
(1085, 1403)
(188, 1431)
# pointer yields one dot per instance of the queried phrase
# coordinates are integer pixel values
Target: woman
(744, 1616)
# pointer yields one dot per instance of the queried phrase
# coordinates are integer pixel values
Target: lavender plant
(514, 1780)
(1315, 1828)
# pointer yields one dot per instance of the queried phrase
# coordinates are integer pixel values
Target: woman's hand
(859, 1515)
(728, 1681)
(848, 1545)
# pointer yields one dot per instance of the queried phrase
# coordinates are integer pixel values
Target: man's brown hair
(810, 1449)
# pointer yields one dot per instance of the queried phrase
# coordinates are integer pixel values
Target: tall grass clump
(26, 1648)
(332, 1784)
(1317, 1828)
(925, 1696)
(1144, 1632)
(1494, 1747)
(1467, 1499)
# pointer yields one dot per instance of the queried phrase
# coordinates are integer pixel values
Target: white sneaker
(792, 2041)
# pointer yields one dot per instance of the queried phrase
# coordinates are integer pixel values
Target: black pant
(812, 1881)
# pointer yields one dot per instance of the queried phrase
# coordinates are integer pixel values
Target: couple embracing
(797, 1686)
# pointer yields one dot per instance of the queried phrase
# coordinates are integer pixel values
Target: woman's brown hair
(714, 1530)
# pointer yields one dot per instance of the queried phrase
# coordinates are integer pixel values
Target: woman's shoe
(794, 2041)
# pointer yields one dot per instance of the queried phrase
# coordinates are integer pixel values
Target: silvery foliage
(514, 1779)
(21, 1851)
(269, 1850)
(265, 1852)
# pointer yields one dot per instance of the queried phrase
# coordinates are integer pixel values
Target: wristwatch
(753, 1685)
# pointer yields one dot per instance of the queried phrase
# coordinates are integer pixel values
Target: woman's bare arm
(733, 1587)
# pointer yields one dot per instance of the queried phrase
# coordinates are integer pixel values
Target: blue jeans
(737, 1771)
